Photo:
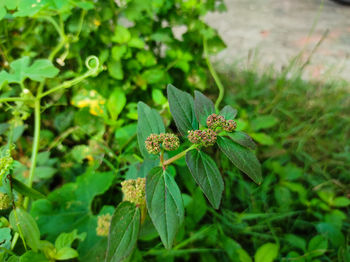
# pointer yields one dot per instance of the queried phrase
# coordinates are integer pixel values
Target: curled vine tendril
(92, 63)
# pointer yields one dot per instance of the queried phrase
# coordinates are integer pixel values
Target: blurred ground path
(277, 30)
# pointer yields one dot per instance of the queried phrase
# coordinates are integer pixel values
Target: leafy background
(88, 142)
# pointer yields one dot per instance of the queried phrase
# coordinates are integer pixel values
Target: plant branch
(214, 75)
(67, 84)
(178, 156)
(13, 99)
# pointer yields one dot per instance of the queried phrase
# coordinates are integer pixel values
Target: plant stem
(214, 75)
(13, 99)
(67, 84)
(35, 147)
(178, 156)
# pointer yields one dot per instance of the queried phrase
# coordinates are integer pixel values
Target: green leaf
(243, 139)
(149, 122)
(116, 103)
(158, 97)
(115, 70)
(317, 246)
(263, 139)
(164, 203)
(121, 35)
(66, 239)
(27, 227)
(263, 122)
(118, 52)
(123, 233)
(66, 253)
(203, 107)
(266, 253)
(25, 190)
(41, 69)
(182, 109)
(242, 158)
(69, 207)
(5, 237)
(153, 75)
(207, 175)
(31, 256)
(341, 202)
(228, 112)
(296, 241)
(21, 69)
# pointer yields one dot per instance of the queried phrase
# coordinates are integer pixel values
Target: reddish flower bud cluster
(206, 137)
(214, 121)
(169, 142)
(229, 125)
(152, 144)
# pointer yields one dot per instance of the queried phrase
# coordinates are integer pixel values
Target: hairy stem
(178, 156)
(214, 75)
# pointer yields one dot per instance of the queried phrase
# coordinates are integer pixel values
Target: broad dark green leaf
(182, 109)
(243, 139)
(123, 233)
(203, 107)
(243, 158)
(70, 207)
(23, 223)
(228, 112)
(25, 190)
(149, 122)
(164, 203)
(207, 175)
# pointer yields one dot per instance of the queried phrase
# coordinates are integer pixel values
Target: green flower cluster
(4, 201)
(6, 160)
(168, 141)
(103, 225)
(134, 191)
(206, 137)
(214, 121)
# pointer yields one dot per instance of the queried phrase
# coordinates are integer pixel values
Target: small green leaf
(164, 203)
(203, 107)
(149, 122)
(23, 223)
(266, 253)
(31, 256)
(41, 69)
(115, 70)
(263, 139)
(341, 202)
(207, 175)
(118, 52)
(25, 190)
(116, 103)
(317, 246)
(242, 138)
(263, 122)
(66, 239)
(66, 253)
(158, 97)
(243, 158)
(182, 109)
(121, 35)
(123, 233)
(228, 112)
